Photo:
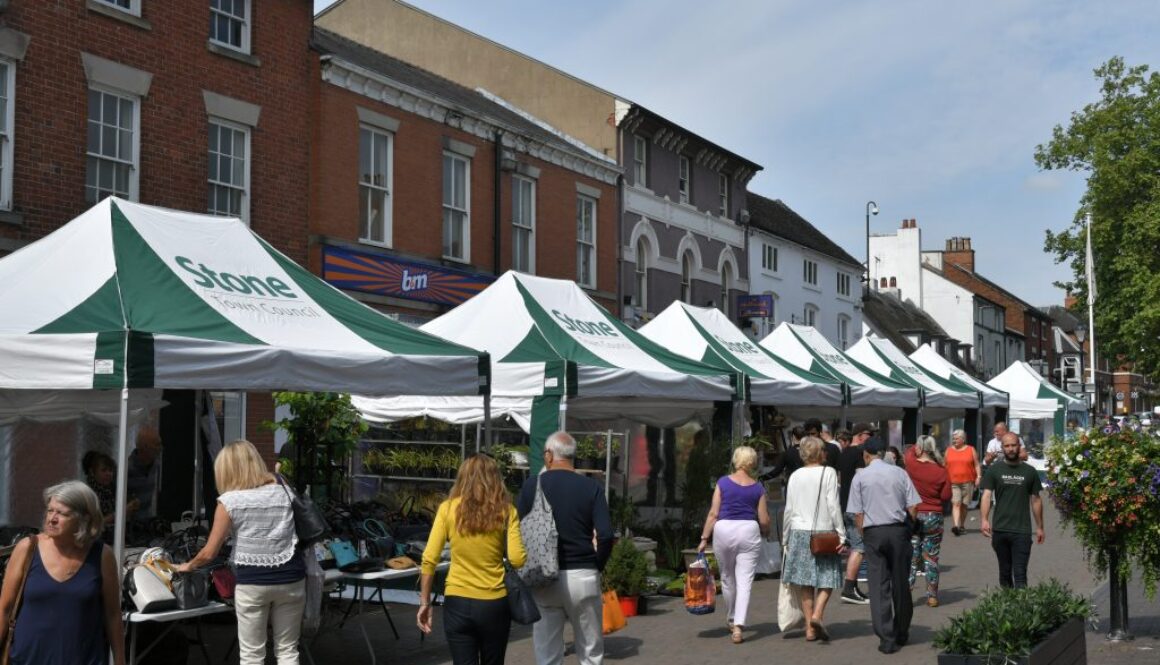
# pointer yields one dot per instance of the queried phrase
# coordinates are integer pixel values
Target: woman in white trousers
(737, 520)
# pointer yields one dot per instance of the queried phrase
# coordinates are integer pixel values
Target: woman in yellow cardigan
(475, 518)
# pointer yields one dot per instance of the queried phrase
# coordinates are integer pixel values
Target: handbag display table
(134, 619)
(383, 580)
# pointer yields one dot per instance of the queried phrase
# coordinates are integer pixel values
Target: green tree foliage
(1116, 140)
(323, 429)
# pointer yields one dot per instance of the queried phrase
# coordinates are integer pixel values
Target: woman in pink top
(737, 519)
(924, 465)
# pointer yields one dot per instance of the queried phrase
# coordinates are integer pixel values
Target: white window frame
(844, 284)
(247, 23)
(7, 150)
(465, 210)
(641, 274)
(683, 178)
(723, 194)
(810, 315)
(844, 332)
(584, 203)
(726, 283)
(687, 278)
(639, 161)
(384, 190)
(134, 162)
(769, 257)
(244, 206)
(810, 272)
(134, 8)
(524, 222)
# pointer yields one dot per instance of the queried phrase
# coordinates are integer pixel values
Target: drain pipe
(497, 206)
(619, 231)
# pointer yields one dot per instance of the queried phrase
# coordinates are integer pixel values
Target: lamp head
(1080, 333)
(872, 208)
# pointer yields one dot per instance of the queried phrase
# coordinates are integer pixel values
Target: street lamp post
(871, 209)
(1081, 336)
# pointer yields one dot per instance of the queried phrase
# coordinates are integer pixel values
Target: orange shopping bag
(613, 616)
(700, 589)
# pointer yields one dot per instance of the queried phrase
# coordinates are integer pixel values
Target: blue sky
(931, 109)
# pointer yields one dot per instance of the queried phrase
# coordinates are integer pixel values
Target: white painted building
(811, 280)
(898, 264)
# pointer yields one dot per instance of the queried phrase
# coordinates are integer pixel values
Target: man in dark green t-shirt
(1011, 486)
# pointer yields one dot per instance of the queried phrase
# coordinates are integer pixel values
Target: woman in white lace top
(255, 510)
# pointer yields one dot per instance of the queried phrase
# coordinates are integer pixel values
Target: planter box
(1066, 646)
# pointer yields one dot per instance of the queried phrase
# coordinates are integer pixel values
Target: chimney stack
(958, 252)
(1069, 302)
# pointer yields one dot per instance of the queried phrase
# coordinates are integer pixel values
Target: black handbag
(519, 597)
(191, 588)
(309, 520)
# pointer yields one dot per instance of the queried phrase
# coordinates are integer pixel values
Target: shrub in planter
(588, 453)
(626, 570)
(1007, 624)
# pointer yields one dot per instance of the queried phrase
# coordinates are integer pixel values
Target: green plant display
(623, 512)
(626, 569)
(587, 448)
(323, 429)
(1107, 487)
(1010, 622)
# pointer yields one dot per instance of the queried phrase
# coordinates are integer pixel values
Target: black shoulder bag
(519, 596)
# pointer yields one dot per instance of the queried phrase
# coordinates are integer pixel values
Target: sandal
(820, 632)
(736, 637)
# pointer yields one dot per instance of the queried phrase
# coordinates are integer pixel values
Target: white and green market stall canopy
(940, 398)
(130, 295)
(707, 335)
(1021, 381)
(869, 395)
(928, 359)
(557, 350)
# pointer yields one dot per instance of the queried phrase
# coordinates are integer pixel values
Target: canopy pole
(122, 479)
(564, 411)
(607, 462)
(487, 426)
(199, 403)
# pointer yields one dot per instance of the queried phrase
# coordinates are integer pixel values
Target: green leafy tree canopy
(1116, 141)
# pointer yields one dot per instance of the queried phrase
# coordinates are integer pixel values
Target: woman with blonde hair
(812, 504)
(254, 507)
(737, 519)
(925, 468)
(480, 521)
(64, 587)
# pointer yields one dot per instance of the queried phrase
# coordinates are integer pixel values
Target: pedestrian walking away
(924, 465)
(480, 522)
(882, 497)
(965, 473)
(580, 511)
(812, 506)
(850, 462)
(738, 519)
(1010, 487)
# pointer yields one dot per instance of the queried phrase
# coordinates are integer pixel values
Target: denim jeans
(1013, 551)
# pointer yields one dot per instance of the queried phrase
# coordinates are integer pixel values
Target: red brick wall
(51, 109)
(417, 185)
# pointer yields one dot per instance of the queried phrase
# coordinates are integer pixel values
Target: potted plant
(625, 574)
(588, 453)
(322, 431)
(1033, 626)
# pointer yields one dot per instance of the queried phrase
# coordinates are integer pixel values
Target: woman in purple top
(738, 520)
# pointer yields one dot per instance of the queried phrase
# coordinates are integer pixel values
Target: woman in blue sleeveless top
(70, 611)
(737, 519)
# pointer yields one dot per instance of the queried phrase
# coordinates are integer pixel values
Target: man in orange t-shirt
(964, 473)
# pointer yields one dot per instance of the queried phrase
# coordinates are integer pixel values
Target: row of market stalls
(129, 299)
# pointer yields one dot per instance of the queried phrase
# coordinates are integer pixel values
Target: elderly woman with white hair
(926, 469)
(737, 519)
(63, 587)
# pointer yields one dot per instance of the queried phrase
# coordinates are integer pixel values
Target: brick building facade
(171, 103)
(403, 156)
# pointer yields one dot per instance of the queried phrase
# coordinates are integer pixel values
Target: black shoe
(854, 597)
(901, 641)
(888, 647)
(957, 530)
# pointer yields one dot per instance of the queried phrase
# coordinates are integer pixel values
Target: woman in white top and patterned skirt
(271, 573)
(811, 505)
